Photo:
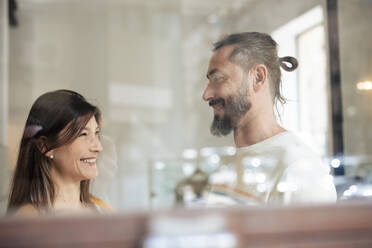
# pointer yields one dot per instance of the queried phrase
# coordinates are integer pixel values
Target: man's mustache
(217, 101)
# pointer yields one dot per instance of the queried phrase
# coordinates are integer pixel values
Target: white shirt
(279, 170)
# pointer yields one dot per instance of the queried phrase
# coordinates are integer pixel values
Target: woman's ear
(50, 154)
(259, 73)
(41, 144)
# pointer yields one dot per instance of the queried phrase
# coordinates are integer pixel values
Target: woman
(57, 157)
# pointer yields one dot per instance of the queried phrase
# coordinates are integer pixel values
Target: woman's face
(77, 161)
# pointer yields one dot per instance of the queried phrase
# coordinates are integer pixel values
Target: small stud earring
(51, 156)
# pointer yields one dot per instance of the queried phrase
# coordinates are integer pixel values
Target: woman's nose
(97, 146)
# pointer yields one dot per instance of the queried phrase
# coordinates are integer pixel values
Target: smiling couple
(60, 144)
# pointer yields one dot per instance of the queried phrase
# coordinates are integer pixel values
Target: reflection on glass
(144, 63)
(357, 183)
(187, 182)
(219, 177)
(245, 181)
(367, 85)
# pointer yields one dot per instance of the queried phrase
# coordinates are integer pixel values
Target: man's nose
(208, 93)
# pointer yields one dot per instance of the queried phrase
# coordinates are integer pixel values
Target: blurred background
(144, 64)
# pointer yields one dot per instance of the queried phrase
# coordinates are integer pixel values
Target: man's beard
(234, 108)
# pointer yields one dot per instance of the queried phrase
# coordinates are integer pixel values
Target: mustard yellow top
(29, 210)
(102, 206)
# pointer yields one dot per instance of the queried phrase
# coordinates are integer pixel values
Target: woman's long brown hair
(55, 119)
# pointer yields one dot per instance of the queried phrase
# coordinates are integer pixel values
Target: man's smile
(217, 103)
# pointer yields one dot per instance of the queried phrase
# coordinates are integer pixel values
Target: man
(244, 86)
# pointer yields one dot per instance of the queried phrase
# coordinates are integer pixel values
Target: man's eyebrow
(212, 72)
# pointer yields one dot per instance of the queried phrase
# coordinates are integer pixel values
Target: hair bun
(288, 59)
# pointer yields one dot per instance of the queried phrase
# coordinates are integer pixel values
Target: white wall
(4, 168)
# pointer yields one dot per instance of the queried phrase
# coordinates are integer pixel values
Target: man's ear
(259, 73)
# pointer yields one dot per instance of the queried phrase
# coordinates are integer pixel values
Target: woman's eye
(98, 132)
(83, 134)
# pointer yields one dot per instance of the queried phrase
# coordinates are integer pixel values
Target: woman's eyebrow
(86, 128)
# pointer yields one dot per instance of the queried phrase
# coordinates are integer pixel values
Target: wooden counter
(346, 225)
